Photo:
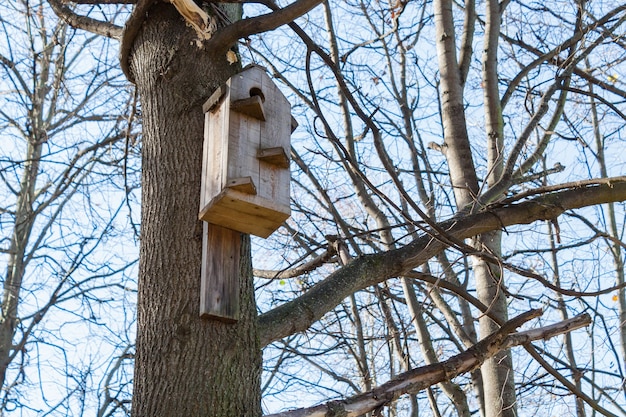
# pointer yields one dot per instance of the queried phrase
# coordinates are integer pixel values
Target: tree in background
(436, 110)
(66, 328)
(420, 153)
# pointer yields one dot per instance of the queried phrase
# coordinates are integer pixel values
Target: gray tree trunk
(185, 366)
(497, 372)
(497, 376)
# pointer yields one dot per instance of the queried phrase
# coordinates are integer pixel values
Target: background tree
(66, 325)
(402, 163)
(400, 89)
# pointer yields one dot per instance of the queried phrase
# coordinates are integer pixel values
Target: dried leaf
(231, 56)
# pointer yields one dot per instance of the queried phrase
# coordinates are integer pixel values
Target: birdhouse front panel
(246, 155)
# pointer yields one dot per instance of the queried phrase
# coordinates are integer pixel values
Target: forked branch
(297, 315)
(418, 379)
(223, 38)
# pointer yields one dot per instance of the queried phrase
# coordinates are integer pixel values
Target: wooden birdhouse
(245, 182)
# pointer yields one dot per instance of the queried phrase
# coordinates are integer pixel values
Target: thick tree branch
(297, 315)
(258, 24)
(297, 271)
(86, 23)
(224, 37)
(413, 381)
(131, 29)
(98, 1)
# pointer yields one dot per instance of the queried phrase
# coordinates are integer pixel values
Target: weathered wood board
(219, 286)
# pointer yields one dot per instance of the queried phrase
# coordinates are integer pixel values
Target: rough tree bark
(184, 365)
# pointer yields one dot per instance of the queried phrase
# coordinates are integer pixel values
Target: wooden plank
(251, 106)
(215, 98)
(219, 286)
(273, 182)
(243, 141)
(243, 184)
(215, 152)
(275, 156)
(245, 213)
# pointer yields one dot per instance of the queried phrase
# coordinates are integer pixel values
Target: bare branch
(263, 23)
(131, 29)
(298, 315)
(421, 378)
(223, 38)
(86, 23)
(94, 2)
(590, 401)
(297, 271)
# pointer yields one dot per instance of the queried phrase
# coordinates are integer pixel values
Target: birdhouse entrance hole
(251, 106)
(257, 92)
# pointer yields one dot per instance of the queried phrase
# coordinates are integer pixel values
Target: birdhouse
(245, 181)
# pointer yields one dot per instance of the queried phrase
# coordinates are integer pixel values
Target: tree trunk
(497, 372)
(185, 366)
(456, 145)
(497, 376)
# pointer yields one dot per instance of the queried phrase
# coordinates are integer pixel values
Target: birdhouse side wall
(245, 131)
(215, 158)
